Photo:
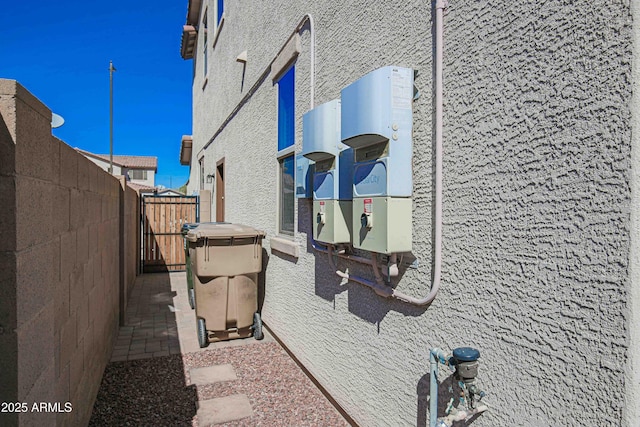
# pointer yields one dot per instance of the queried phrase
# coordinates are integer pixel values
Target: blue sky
(60, 51)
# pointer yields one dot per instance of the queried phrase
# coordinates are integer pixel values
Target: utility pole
(111, 70)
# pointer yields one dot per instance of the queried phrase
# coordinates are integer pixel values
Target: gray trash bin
(184, 230)
(225, 262)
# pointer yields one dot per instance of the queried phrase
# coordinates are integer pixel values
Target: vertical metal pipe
(436, 357)
(440, 6)
(111, 70)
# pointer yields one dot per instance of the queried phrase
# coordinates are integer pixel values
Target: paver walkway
(160, 322)
(159, 375)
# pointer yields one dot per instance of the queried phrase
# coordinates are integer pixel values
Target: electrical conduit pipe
(439, 6)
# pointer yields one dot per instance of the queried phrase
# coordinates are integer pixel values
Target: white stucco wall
(537, 199)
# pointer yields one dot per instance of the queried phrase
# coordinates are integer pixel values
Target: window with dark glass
(286, 139)
(205, 43)
(201, 162)
(287, 196)
(138, 174)
(220, 10)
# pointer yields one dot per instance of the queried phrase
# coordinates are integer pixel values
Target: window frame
(282, 188)
(201, 163)
(286, 150)
(205, 42)
(219, 12)
(218, 23)
(143, 172)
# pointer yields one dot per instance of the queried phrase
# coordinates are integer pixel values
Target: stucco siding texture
(536, 202)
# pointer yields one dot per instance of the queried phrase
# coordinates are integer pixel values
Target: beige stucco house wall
(540, 231)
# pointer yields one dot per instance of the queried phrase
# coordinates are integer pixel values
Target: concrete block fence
(68, 258)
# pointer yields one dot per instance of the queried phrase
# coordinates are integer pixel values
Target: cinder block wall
(60, 266)
(129, 241)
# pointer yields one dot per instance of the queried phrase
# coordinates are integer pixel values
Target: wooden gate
(162, 242)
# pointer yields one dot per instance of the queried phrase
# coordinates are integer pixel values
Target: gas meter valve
(466, 362)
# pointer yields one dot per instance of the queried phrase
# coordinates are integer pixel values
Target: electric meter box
(382, 224)
(377, 122)
(332, 173)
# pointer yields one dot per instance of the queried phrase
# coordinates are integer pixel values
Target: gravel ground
(157, 392)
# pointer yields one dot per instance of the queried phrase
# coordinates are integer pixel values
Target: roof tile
(132, 162)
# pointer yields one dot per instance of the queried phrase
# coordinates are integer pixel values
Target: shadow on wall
(422, 391)
(363, 301)
(262, 279)
(151, 391)
(327, 284)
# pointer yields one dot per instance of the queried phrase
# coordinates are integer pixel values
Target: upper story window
(201, 162)
(219, 15)
(205, 28)
(286, 109)
(137, 174)
(286, 152)
(220, 11)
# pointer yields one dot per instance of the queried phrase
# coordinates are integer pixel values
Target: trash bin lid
(191, 225)
(188, 226)
(222, 231)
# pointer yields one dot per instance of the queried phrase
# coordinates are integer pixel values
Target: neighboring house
(168, 192)
(540, 232)
(139, 170)
(143, 190)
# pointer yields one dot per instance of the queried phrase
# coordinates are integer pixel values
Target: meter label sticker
(321, 207)
(367, 206)
(401, 88)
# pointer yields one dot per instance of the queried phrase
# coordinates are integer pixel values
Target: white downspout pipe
(631, 411)
(439, 23)
(312, 53)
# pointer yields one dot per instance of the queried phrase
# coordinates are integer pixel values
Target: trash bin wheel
(257, 327)
(203, 338)
(192, 298)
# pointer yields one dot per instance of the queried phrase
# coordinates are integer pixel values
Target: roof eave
(186, 146)
(193, 12)
(188, 42)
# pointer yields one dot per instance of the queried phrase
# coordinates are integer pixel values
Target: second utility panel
(377, 121)
(332, 177)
